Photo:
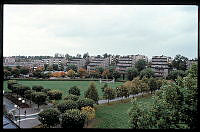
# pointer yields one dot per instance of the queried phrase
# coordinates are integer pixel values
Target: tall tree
(180, 62)
(92, 92)
(140, 64)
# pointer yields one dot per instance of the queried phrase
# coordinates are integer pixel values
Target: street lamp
(18, 107)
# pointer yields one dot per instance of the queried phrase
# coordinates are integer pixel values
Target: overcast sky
(116, 29)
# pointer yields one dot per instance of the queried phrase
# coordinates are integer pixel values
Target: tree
(100, 70)
(104, 86)
(39, 98)
(6, 74)
(29, 94)
(116, 75)
(152, 84)
(180, 62)
(89, 112)
(15, 72)
(71, 73)
(37, 88)
(105, 55)
(148, 72)
(86, 55)
(37, 73)
(82, 102)
(132, 73)
(140, 64)
(122, 91)
(54, 95)
(71, 97)
(71, 67)
(92, 92)
(109, 93)
(174, 74)
(193, 70)
(82, 72)
(106, 73)
(67, 105)
(73, 118)
(78, 55)
(10, 84)
(49, 117)
(24, 70)
(55, 67)
(75, 91)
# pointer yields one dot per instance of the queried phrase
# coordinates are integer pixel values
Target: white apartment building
(97, 62)
(129, 61)
(79, 62)
(160, 65)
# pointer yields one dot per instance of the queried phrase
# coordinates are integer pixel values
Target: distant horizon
(150, 30)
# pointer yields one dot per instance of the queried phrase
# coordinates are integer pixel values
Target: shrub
(37, 88)
(89, 112)
(71, 97)
(11, 83)
(75, 91)
(82, 102)
(45, 90)
(49, 117)
(66, 105)
(92, 92)
(39, 97)
(54, 95)
(73, 118)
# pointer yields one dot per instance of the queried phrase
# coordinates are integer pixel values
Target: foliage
(73, 118)
(89, 112)
(132, 73)
(109, 93)
(71, 73)
(37, 88)
(66, 105)
(106, 73)
(193, 70)
(180, 62)
(174, 74)
(116, 75)
(71, 67)
(71, 97)
(148, 72)
(82, 72)
(49, 117)
(82, 102)
(45, 90)
(74, 90)
(39, 98)
(92, 92)
(15, 72)
(54, 94)
(104, 86)
(174, 106)
(122, 91)
(10, 84)
(140, 64)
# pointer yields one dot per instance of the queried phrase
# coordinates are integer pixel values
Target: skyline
(34, 30)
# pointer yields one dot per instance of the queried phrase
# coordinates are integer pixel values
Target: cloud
(115, 29)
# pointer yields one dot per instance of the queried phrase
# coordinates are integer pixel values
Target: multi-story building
(160, 65)
(79, 62)
(98, 62)
(125, 62)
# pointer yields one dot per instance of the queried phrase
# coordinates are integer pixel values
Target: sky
(151, 30)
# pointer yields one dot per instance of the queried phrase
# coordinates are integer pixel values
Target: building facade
(79, 62)
(160, 65)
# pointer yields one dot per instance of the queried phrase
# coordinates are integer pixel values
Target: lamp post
(18, 107)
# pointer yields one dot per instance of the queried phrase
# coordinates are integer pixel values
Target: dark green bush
(71, 97)
(54, 95)
(82, 102)
(75, 91)
(66, 105)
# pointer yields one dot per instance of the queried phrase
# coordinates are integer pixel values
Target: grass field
(115, 115)
(65, 85)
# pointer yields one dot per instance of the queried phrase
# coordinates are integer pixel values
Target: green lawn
(65, 85)
(115, 115)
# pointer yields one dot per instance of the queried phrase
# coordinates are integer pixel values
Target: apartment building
(8, 61)
(125, 62)
(160, 65)
(79, 62)
(97, 62)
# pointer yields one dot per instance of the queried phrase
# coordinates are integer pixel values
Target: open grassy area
(115, 114)
(65, 85)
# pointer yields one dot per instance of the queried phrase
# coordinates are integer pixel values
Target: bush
(92, 92)
(39, 97)
(11, 83)
(49, 117)
(45, 90)
(54, 95)
(37, 88)
(66, 105)
(75, 91)
(85, 102)
(73, 119)
(71, 97)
